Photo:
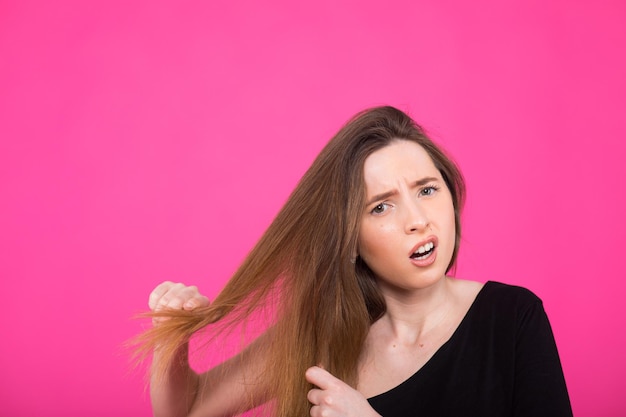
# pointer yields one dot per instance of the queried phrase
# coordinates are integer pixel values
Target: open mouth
(423, 251)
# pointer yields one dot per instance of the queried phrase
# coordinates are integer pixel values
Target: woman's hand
(335, 398)
(175, 296)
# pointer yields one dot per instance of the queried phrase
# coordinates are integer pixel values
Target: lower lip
(426, 261)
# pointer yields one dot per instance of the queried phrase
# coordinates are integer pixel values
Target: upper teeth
(425, 248)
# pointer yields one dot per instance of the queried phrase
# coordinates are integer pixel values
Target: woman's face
(407, 230)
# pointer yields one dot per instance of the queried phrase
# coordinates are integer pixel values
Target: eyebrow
(385, 195)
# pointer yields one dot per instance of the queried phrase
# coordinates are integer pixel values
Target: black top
(500, 361)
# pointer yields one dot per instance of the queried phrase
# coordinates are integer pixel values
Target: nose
(416, 219)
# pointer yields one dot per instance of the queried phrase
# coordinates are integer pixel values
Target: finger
(315, 411)
(320, 377)
(196, 301)
(188, 298)
(314, 396)
(175, 297)
(157, 293)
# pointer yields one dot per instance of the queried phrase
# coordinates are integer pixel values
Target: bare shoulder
(465, 291)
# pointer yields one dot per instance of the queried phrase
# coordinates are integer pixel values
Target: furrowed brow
(425, 180)
(385, 195)
(382, 196)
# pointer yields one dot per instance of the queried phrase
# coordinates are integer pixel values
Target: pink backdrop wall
(144, 141)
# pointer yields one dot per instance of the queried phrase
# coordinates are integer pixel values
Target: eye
(429, 190)
(379, 208)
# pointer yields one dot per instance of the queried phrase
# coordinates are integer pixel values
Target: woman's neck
(411, 316)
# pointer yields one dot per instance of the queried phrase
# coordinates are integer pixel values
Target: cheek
(450, 236)
(452, 223)
(375, 239)
(448, 208)
(364, 243)
(367, 239)
(371, 251)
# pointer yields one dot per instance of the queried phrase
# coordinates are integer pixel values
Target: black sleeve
(539, 386)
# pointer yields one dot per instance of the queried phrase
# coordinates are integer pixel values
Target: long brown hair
(326, 303)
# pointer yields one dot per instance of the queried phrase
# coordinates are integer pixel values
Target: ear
(354, 257)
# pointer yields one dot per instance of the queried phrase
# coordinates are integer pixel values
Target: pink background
(153, 140)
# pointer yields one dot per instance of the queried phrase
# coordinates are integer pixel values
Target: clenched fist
(175, 296)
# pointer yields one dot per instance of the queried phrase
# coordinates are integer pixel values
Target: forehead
(402, 160)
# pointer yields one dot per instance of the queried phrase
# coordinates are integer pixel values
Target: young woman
(367, 322)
